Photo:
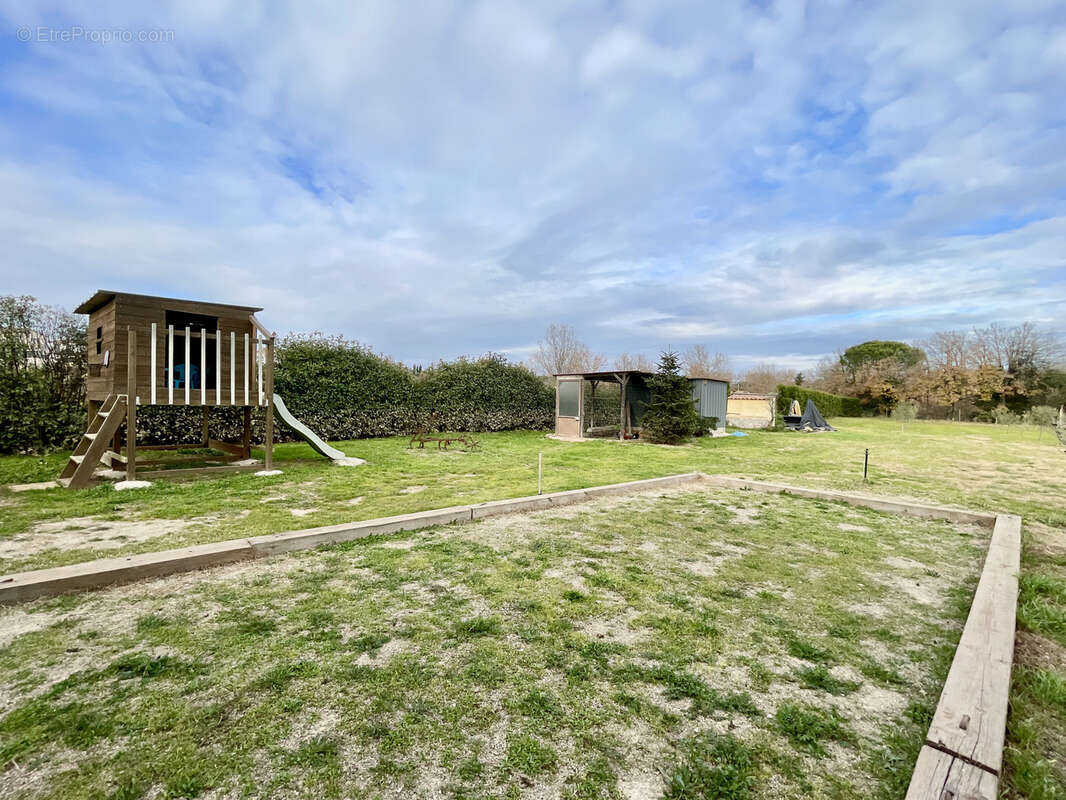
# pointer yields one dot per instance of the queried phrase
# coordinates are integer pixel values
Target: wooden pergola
(623, 377)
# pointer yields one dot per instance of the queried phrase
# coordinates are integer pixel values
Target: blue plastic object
(738, 433)
(179, 376)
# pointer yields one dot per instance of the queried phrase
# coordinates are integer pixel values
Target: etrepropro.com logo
(77, 33)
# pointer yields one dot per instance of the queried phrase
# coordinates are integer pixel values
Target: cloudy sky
(773, 180)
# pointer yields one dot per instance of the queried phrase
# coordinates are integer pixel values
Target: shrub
(831, 405)
(1043, 416)
(485, 394)
(905, 412)
(42, 376)
(339, 388)
(1002, 415)
(320, 374)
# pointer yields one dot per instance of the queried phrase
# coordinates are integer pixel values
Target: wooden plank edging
(965, 740)
(20, 587)
(963, 752)
(877, 503)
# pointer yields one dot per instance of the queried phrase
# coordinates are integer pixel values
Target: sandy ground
(80, 532)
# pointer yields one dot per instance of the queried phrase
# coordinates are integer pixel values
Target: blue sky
(773, 180)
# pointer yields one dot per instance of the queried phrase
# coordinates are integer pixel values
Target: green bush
(1002, 415)
(343, 390)
(339, 388)
(1044, 416)
(831, 405)
(486, 394)
(42, 376)
(905, 412)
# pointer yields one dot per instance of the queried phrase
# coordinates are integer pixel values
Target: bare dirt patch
(86, 532)
(1038, 651)
(926, 591)
(321, 723)
(613, 630)
(744, 516)
(384, 653)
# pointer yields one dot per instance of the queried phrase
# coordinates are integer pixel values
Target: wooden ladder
(78, 472)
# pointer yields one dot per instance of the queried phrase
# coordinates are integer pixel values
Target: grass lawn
(976, 466)
(707, 643)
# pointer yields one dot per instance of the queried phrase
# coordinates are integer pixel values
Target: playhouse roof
(104, 296)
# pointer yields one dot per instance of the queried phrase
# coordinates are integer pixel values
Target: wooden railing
(239, 364)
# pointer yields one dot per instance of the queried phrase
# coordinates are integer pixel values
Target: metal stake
(865, 464)
(540, 471)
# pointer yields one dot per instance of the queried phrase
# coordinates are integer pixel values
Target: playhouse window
(99, 339)
(200, 375)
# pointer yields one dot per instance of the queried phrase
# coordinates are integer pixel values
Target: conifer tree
(670, 417)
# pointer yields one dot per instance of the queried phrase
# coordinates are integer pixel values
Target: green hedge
(340, 389)
(831, 405)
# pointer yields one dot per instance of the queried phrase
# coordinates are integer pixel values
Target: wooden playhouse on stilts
(156, 351)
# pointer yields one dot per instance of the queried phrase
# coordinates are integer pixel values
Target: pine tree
(670, 417)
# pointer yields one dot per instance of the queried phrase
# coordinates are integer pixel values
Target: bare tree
(950, 349)
(634, 361)
(700, 363)
(560, 351)
(1017, 348)
(765, 378)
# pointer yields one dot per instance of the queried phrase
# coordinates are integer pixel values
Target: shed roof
(612, 374)
(752, 396)
(606, 375)
(104, 296)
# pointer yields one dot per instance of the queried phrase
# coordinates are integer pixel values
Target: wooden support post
(207, 420)
(581, 407)
(131, 406)
(623, 381)
(246, 435)
(592, 403)
(268, 444)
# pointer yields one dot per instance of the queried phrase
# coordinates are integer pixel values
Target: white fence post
(170, 365)
(153, 360)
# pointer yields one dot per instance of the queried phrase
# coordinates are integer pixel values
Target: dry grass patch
(588, 651)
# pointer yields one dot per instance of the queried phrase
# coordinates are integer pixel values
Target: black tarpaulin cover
(813, 419)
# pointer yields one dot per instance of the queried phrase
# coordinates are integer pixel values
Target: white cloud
(791, 178)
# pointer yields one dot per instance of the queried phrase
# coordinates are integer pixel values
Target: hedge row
(831, 405)
(180, 425)
(339, 389)
(342, 390)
